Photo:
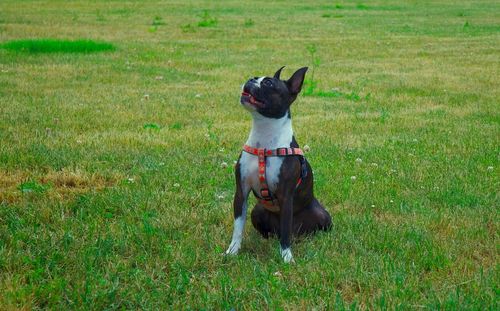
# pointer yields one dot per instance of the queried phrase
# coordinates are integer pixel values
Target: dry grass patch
(66, 182)
(9, 181)
(62, 184)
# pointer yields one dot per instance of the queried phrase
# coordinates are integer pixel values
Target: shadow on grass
(57, 46)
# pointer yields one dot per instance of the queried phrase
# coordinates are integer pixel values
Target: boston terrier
(274, 168)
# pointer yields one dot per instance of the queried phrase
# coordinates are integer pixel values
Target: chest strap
(267, 199)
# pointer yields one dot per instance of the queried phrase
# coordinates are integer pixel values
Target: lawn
(114, 188)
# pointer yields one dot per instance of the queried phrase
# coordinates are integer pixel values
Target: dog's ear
(278, 73)
(295, 82)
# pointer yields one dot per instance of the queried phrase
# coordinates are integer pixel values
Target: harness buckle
(281, 151)
(264, 193)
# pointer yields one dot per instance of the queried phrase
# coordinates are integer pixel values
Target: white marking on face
(259, 80)
(287, 256)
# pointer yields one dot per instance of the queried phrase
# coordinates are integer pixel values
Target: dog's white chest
(270, 134)
(249, 168)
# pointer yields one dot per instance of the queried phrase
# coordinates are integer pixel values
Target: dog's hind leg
(264, 221)
(311, 219)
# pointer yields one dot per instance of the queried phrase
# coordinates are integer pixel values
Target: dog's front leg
(286, 219)
(240, 214)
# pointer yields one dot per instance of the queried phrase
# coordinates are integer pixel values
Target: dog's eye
(267, 83)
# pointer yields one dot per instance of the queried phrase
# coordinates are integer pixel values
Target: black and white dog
(273, 167)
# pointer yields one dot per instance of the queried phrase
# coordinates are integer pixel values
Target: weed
(188, 28)
(151, 126)
(176, 126)
(384, 115)
(32, 186)
(249, 22)
(328, 15)
(158, 21)
(310, 84)
(207, 20)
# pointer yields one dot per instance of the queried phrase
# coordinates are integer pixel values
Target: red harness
(267, 199)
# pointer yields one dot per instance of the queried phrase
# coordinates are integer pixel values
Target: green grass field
(113, 191)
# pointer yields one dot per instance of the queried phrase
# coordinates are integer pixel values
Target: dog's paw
(233, 248)
(287, 256)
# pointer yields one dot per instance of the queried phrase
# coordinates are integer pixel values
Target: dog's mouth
(249, 98)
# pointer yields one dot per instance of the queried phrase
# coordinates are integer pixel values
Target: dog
(274, 168)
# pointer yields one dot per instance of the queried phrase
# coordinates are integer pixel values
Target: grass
(57, 46)
(113, 191)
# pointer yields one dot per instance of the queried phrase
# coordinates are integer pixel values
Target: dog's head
(272, 97)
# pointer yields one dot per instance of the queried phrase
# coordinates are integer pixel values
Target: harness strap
(273, 152)
(267, 199)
